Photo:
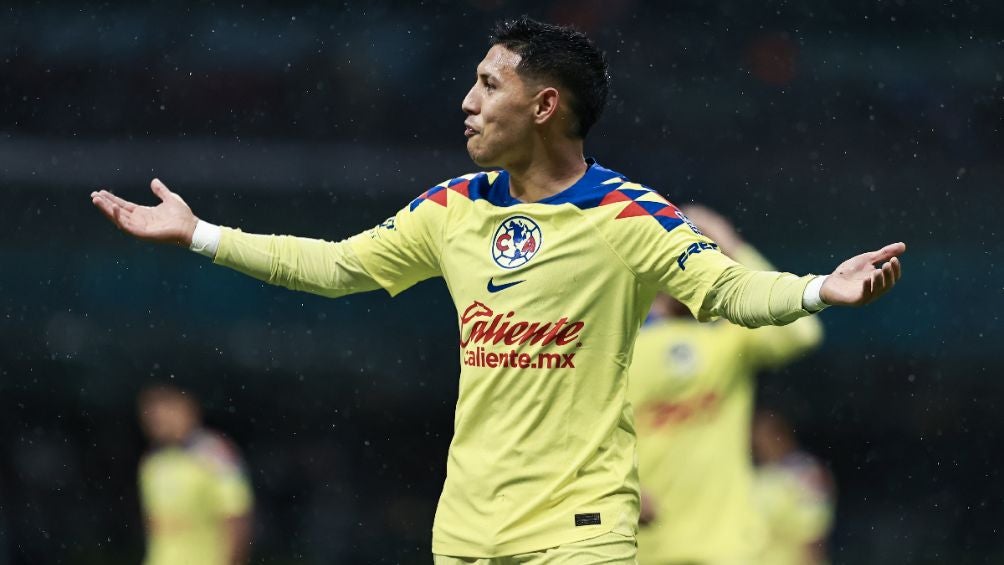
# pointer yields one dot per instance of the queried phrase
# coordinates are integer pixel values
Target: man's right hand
(171, 221)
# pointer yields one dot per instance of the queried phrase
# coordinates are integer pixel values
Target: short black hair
(564, 54)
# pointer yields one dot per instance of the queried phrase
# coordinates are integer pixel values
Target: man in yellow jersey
(552, 261)
(195, 496)
(692, 388)
(794, 492)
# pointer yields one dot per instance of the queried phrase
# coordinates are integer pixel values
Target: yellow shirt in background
(187, 493)
(795, 496)
(692, 387)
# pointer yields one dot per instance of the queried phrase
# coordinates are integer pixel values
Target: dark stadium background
(821, 128)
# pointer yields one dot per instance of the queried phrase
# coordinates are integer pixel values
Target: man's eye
(489, 86)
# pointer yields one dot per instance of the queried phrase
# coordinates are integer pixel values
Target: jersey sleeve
(394, 255)
(405, 249)
(230, 490)
(233, 495)
(667, 251)
(799, 507)
(773, 346)
(310, 265)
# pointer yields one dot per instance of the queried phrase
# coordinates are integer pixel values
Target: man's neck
(547, 173)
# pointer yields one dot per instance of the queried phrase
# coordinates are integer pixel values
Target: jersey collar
(582, 194)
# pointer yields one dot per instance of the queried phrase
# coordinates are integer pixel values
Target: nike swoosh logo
(492, 287)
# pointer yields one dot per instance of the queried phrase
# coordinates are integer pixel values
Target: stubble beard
(476, 154)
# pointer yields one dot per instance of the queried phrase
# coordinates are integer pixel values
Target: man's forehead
(499, 61)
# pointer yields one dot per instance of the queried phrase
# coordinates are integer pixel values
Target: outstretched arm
(760, 298)
(770, 345)
(395, 255)
(775, 345)
(753, 295)
(311, 265)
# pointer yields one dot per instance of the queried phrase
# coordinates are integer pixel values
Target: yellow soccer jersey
(692, 388)
(795, 497)
(549, 297)
(187, 492)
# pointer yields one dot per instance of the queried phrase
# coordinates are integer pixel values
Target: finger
(120, 201)
(107, 207)
(887, 252)
(886, 276)
(867, 287)
(883, 281)
(897, 268)
(122, 218)
(160, 189)
(105, 197)
(103, 194)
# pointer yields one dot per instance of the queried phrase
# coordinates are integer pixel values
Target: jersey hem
(529, 545)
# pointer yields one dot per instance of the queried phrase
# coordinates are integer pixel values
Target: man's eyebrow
(486, 74)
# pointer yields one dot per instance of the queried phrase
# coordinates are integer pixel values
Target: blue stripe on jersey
(668, 223)
(587, 192)
(635, 193)
(651, 207)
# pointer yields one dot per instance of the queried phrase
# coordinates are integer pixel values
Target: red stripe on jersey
(438, 197)
(614, 197)
(462, 187)
(669, 211)
(631, 210)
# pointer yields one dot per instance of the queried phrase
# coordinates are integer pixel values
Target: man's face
(499, 108)
(167, 420)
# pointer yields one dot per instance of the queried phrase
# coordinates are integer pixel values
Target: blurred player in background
(692, 386)
(195, 496)
(794, 492)
(552, 261)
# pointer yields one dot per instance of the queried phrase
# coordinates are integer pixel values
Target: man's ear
(546, 105)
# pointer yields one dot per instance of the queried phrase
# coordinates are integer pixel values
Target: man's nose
(469, 105)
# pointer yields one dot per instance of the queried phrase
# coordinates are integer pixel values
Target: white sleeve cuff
(811, 300)
(205, 239)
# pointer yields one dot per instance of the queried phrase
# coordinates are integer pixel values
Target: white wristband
(811, 300)
(205, 239)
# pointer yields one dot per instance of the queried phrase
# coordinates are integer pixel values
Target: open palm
(858, 280)
(171, 221)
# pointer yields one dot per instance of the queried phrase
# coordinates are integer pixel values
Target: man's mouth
(469, 131)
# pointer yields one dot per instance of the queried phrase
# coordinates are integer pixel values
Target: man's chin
(480, 159)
